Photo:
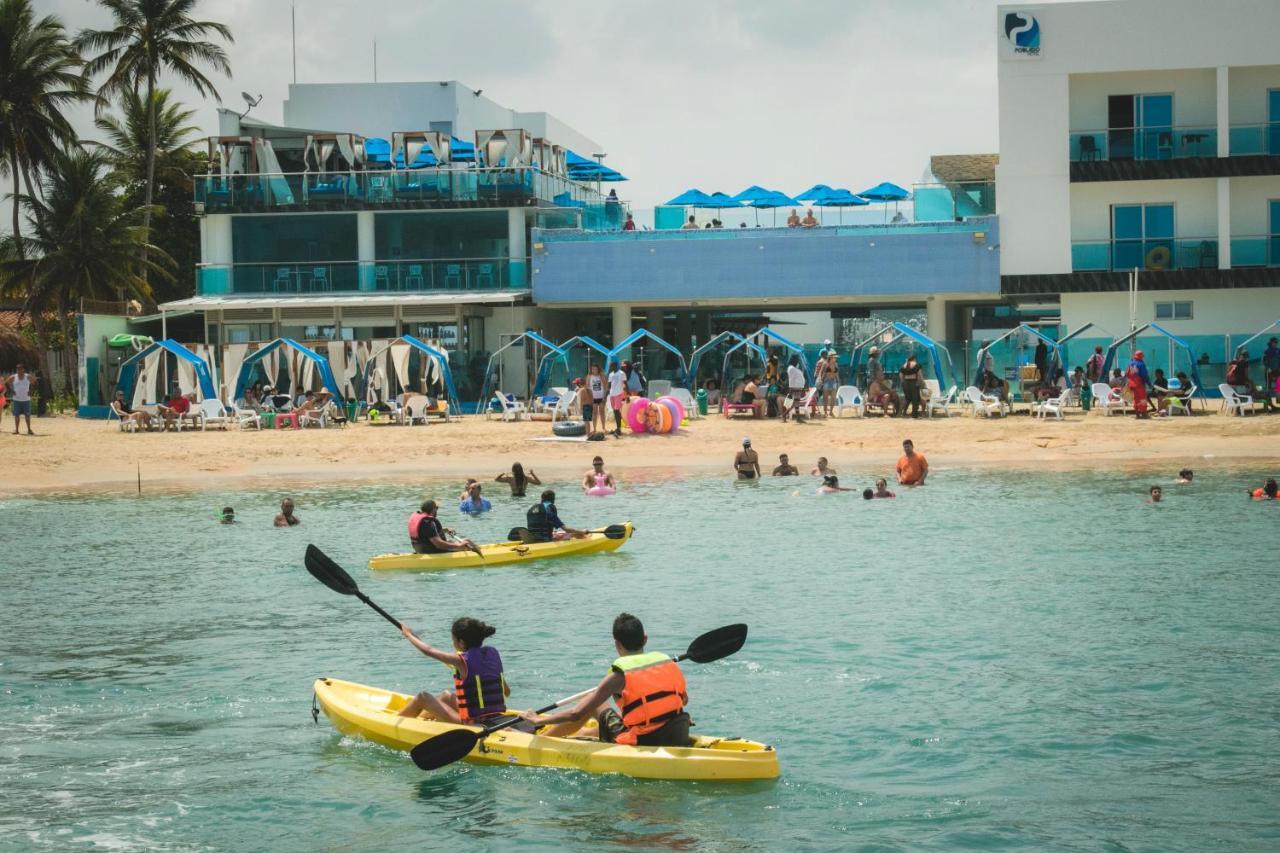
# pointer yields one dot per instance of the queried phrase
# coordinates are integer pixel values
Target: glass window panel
(1273, 105)
(1127, 254)
(1157, 111)
(1182, 310)
(1159, 220)
(1164, 310)
(1126, 221)
(1275, 216)
(293, 239)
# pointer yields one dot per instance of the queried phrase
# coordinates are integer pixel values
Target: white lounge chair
(983, 404)
(849, 397)
(941, 402)
(1234, 401)
(563, 409)
(659, 388)
(415, 409)
(1175, 405)
(1108, 399)
(213, 412)
(128, 423)
(549, 401)
(686, 400)
(511, 408)
(1053, 405)
(246, 418)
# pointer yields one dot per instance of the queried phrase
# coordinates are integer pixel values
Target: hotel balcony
(1154, 255)
(405, 189)
(352, 277)
(1257, 251)
(1146, 153)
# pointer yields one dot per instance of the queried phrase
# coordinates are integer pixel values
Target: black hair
(629, 632)
(429, 507)
(830, 480)
(517, 474)
(1153, 489)
(226, 510)
(472, 632)
(1185, 473)
(1269, 487)
(867, 494)
(549, 495)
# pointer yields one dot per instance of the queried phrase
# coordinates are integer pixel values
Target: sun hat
(746, 441)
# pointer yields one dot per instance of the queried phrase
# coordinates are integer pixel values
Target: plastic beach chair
(983, 404)
(213, 412)
(849, 397)
(1053, 405)
(1234, 401)
(1108, 399)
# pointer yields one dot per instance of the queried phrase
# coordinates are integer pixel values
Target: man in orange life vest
(428, 536)
(648, 687)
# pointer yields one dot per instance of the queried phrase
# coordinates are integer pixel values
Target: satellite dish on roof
(251, 101)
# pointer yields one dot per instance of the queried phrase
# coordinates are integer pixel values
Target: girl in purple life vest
(479, 687)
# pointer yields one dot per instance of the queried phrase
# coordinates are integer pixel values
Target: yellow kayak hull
(371, 713)
(500, 554)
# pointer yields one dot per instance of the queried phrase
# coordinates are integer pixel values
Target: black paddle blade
(435, 752)
(328, 572)
(717, 644)
(616, 531)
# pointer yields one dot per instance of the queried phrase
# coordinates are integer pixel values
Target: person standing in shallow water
(912, 468)
(285, 517)
(518, 480)
(747, 462)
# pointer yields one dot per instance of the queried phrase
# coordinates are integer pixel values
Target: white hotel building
(1142, 134)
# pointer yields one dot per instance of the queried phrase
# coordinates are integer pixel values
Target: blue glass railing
(337, 277)
(394, 189)
(1149, 255)
(1248, 139)
(950, 202)
(1260, 251)
(905, 228)
(1142, 143)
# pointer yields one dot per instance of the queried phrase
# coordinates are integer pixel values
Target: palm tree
(151, 37)
(84, 243)
(39, 77)
(127, 136)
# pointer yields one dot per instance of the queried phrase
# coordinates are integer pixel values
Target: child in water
(480, 688)
(1267, 492)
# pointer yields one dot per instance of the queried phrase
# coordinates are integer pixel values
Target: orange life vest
(653, 694)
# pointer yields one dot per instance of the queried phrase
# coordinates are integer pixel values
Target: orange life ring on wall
(1158, 258)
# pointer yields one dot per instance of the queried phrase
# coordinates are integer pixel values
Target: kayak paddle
(455, 744)
(613, 531)
(332, 575)
(473, 547)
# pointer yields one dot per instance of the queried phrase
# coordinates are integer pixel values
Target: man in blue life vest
(649, 690)
(543, 521)
(428, 536)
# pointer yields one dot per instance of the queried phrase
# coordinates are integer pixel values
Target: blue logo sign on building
(1023, 32)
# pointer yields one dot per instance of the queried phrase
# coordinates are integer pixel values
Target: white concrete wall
(1248, 98)
(1195, 205)
(1214, 312)
(1249, 205)
(1038, 107)
(380, 109)
(1194, 95)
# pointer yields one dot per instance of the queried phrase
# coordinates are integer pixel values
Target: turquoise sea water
(995, 661)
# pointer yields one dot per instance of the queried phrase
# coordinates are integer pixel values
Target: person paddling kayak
(428, 536)
(648, 687)
(479, 687)
(543, 521)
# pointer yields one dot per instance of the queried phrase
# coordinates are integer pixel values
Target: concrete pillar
(365, 251)
(1224, 112)
(1224, 223)
(684, 331)
(216, 254)
(621, 321)
(936, 315)
(517, 249)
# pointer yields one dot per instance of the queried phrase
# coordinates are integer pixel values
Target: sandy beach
(70, 454)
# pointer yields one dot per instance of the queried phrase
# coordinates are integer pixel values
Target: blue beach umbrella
(814, 192)
(752, 193)
(840, 198)
(772, 199)
(886, 192)
(692, 198)
(724, 202)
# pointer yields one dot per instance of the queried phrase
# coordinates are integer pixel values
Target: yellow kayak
(370, 713)
(502, 553)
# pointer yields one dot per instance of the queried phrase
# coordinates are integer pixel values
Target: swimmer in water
(785, 468)
(867, 494)
(823, 469)
(1156, 494)
(747, 462)
(285, 517)
(466, 490)
(882, 490)
(598, 476)
(1184, 476)
(1267, 492)
(831, 485)
(228, 516)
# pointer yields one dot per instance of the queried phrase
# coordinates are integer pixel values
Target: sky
(714, 94)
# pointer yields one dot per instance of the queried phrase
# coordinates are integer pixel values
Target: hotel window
(1140, 127)
(1142, 236)
(1273, 239)
(1173, 310)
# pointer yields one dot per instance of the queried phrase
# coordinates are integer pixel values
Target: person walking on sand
(19, 386)
(747, 462)
(912, 468)
(285, 517)
(617, 393)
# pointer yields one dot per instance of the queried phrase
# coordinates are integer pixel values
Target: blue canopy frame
(902, 330)
(129, 369)
(1109, 361)
(795, 348)
(587, 341)
(1059, 347)
(252, 359)
(695, 357)
(640, 334)
(489, 385)
(440, 357)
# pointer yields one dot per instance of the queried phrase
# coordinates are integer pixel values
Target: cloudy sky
(718, 94)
